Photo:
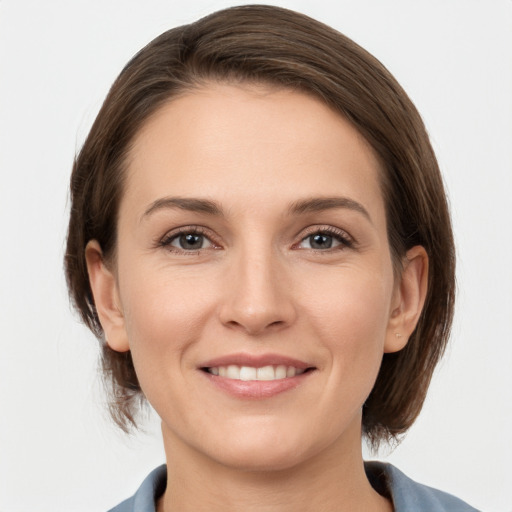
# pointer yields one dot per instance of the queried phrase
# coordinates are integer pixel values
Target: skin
(257, 284)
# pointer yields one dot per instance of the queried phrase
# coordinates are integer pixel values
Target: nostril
(256, 316)
(255, 325)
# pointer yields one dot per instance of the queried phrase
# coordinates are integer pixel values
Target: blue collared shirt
(406, 494)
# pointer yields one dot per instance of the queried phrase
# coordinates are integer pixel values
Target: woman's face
(254, 282)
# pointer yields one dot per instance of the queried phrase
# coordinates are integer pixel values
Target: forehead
(249, 144)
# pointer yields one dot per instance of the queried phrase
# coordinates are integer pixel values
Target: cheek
(348, 312)
(164, 313)
(164, 319)
(350, 301)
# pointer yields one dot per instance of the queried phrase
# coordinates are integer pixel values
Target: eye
(326, 239)
(190, 240)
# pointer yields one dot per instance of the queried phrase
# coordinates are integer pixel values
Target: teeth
(250, 373)
(281, 372)
(266, 373)
(233, 372)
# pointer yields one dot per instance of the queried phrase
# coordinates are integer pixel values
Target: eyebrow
(303, 206)
(318, 204)
(183, 203)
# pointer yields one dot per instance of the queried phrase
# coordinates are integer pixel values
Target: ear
(106, 298)
(408, 299)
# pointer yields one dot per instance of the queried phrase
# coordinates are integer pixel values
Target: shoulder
(406, 494)
(147, 494)
(410, 496)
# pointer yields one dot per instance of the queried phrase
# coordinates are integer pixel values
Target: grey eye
(320, 241)
(191, 242)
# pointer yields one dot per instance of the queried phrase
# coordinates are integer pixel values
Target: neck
(332, 480)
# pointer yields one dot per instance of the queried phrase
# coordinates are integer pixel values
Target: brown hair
(276, 46)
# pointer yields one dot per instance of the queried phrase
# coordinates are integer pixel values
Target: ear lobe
(408, 299)
(106, 298)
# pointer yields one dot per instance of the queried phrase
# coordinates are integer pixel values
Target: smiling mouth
(251, 373)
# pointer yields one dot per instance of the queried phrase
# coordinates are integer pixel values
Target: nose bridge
(258, 296)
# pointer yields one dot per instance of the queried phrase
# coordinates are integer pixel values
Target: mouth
(252, 373)
(246, 376)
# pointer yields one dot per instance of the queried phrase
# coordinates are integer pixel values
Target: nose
(258, 296)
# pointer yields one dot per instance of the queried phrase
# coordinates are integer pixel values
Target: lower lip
(256, 389)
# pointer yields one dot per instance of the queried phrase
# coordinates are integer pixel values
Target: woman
(259, 237)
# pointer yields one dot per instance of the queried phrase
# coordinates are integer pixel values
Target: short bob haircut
(281, 48)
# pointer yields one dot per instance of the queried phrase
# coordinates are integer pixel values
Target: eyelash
(169, 238)
(345, 240)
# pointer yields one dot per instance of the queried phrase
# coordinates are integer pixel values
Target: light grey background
(58, 451)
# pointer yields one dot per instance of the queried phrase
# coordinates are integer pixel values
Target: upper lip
(255, 361)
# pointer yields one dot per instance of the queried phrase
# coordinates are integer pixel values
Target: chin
(264, 450)
(266, 459)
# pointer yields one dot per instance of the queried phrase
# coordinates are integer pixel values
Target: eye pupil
(320, 241)
(191, 241)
